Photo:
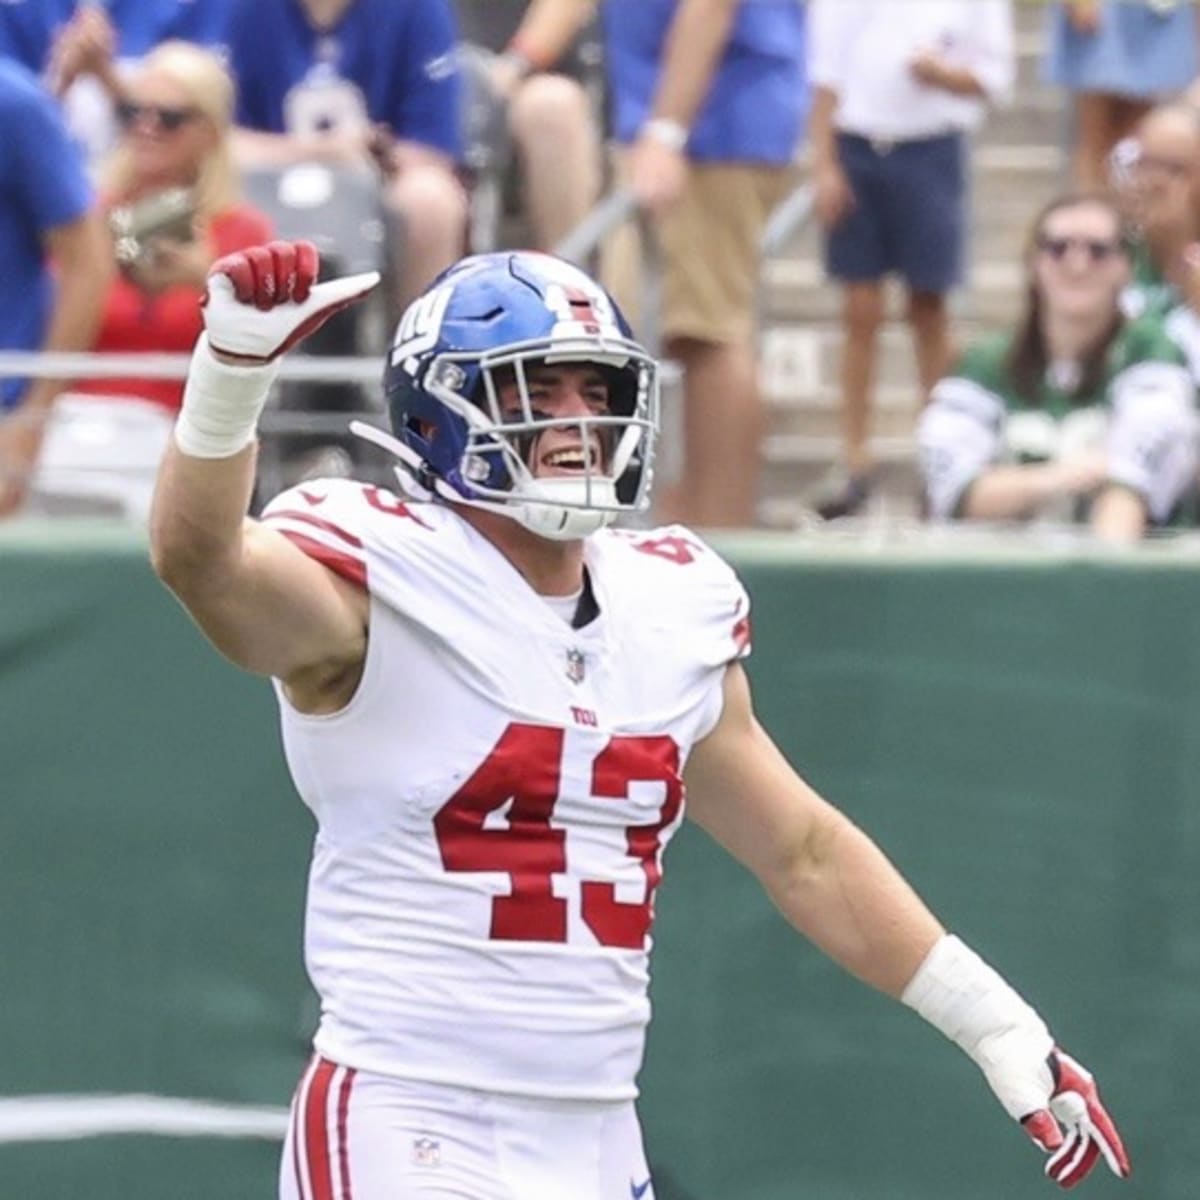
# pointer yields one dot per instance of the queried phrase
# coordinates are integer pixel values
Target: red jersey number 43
(524, 771)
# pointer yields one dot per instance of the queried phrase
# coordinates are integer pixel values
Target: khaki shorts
(708, 246)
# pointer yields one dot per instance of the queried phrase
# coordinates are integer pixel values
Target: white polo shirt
(861, 49)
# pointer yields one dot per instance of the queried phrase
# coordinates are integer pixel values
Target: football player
(495, 702)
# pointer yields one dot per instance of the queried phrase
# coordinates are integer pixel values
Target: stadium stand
(1018, 163)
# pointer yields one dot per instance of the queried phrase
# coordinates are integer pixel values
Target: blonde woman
(172, 158)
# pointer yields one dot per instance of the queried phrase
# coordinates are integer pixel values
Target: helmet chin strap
(554, 508)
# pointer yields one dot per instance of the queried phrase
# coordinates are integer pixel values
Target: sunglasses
(1097, 250)
(166, 119)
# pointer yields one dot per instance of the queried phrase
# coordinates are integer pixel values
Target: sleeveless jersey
(1142, 413)
(494, 802)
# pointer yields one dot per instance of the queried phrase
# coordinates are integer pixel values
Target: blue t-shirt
(390, 61)
(42, 185)
(27, 27)
(757, 104)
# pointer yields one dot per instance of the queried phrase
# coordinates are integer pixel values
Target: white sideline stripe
(64, 1118)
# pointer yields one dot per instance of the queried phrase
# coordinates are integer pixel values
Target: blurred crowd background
(907, 260)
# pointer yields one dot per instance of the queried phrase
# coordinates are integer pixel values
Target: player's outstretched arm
(835, 886)
(261, 601)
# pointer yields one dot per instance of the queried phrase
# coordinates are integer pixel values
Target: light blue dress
(1143, 49)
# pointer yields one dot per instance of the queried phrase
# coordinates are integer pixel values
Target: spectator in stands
(1116, 58)
(1157, 177)
(361, 84)
(173, 167)
(82, 48)
(897, 89)
(708, 101)
(46, 212)
(549, 114)
(1076, 414)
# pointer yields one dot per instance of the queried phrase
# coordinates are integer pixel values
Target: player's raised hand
(258, 303)
(1074, 1127)
(262, 301)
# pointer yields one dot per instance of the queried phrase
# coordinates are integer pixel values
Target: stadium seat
(341, 212)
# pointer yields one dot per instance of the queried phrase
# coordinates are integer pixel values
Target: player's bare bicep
(278, 611)
(744, 793)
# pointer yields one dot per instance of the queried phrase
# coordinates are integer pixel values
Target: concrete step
(894, 414)
(796, 292)
(1039, 116)
(793, 485)
(1015, 176)
(797, 360)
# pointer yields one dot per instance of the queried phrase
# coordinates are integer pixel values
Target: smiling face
(1079, 262)
(567, 392)
(167, 136)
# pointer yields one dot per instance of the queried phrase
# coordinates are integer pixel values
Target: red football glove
(1089, 1130)
(262, 301)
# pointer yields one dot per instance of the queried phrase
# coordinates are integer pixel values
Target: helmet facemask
(496, 470)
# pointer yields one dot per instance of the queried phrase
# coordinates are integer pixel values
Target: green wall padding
(1019, 734)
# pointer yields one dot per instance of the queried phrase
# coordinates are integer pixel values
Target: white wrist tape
(221, 404)
(959, 994)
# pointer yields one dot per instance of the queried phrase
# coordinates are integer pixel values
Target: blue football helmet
(479, 328)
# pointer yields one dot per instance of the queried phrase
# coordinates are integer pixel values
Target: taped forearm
(977, 1009)
(221, 404)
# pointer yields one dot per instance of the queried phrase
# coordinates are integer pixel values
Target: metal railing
(580, 246)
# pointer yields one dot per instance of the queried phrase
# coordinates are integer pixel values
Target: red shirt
(168, 323)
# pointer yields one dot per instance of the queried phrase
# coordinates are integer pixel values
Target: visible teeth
(567, 458)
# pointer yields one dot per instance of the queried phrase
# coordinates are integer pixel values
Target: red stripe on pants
(316, 1132)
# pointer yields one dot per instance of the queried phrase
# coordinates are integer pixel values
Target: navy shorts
(909, 214)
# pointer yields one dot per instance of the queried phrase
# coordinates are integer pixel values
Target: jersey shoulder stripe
(678, 578)
(326, 532)
(337, 521)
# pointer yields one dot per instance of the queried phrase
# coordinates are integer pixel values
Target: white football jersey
(494, 802)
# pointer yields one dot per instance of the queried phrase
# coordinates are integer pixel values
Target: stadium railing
(278, 422)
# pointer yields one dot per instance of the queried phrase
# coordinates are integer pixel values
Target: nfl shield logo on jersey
(426, 1152)
(575, 665)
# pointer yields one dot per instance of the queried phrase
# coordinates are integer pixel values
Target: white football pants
(358, 1136)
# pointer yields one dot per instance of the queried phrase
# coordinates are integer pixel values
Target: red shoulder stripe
(340, 563)
(295, 514)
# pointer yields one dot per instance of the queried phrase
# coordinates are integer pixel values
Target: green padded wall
(1019, 733)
